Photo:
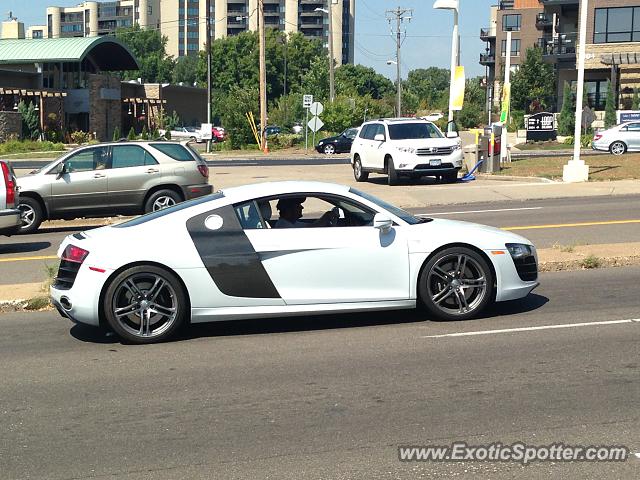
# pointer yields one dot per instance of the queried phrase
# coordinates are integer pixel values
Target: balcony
(563, 47)
(487, 33)
(544, 21)
(551, 3)
(506, 4)
(487, 59)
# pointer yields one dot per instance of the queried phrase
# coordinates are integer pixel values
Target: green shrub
(80, 137)
(17, 146)
(585, 140)
(116, 134)
(517, 120)
(132, 134)
(567, 118)
(145, 133)
(591, 261)
(285, 140)
(610, 108)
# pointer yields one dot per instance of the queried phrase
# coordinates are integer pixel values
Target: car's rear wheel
(145, 304)
(329, 149)
(618, 148)
(161, 199)
(392, 174)
(359, 174)
(31, 214)
(456, 284)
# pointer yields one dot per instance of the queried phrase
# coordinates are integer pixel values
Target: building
(183, 22)
(612, 49)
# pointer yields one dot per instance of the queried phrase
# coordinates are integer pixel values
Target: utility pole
(208, 46)
(400, 15)
(263, 78)
(332, 86)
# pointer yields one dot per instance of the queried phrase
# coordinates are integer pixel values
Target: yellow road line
(564, 225)
(23, 259)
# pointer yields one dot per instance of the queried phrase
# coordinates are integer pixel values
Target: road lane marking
(565, 225)
(24, 259)
(530, 329)
(479, 211)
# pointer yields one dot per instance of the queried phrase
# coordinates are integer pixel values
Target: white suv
(405, 147)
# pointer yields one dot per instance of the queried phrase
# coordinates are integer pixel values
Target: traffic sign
(316, 108)
(315, 124)
(307, 100)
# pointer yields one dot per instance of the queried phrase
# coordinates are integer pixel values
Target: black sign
(541, 127)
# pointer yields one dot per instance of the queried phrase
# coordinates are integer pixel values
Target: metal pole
(332, 91)
(398, 40)
(208, 47)
(507, 84)
(576, 170)
(306, 132)
(263, 78)
(454, 61)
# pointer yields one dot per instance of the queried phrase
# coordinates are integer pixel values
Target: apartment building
(612, 49)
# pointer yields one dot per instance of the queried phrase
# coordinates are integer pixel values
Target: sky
(426, 38)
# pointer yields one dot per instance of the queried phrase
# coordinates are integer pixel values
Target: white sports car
(224, 257)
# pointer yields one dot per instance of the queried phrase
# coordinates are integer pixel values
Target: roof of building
(106, 52)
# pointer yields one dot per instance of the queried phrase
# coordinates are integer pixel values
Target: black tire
(456, 284)
(392, 174)
(32, 214)
(132, 292)
(450, 177)
(161, 199)
(358, 173)
(618, 148)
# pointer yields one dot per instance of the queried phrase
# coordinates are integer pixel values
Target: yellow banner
(506, 102)
(457, 90)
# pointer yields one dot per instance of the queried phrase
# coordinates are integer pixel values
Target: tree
(430, 86)
(610, 108)
(472, 113)
(116, 134)
(635, 103)
(360, 80)
(567, 118)
(148, 47)
(533, 85)
(30, 120)
(145, 133)
(132, 134)
(186, 70)
(233, 108)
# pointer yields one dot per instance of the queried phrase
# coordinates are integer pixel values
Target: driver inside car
(290, 209)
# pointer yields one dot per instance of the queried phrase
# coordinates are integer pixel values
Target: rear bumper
(195, 191)
(10, 221)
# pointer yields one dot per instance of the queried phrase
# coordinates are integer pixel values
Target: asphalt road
(328, 397)
(38, 248)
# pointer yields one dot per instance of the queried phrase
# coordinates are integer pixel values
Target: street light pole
(399, 88)
(208, 37)
(329, 12)
(263, 78)
(455, 45)
(576, 170)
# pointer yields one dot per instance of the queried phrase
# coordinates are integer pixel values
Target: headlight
(519, 250)
(457, 146)
(406, 149)
(320, 142)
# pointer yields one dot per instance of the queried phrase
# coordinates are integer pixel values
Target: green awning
(108, 53)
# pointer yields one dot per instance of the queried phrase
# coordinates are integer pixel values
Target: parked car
(185, 133)
(222, 257)
(339, 144)
(619, 139)
(110, 179)
(405, 147)
(272, 130)
(217, 134)
(297, 128)
(9, 215)
(433, 117)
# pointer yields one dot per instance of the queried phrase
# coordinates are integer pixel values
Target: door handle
(99, 175)
(153, 170)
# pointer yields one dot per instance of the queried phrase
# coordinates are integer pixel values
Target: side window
(367, 132)
(351, 133)
(634, 127)
(87, 160)
(380, 130)
(124, 156)
(250, 215)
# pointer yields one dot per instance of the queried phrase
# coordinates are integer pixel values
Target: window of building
(596, 91)
(617, 25)
(511, 23)
(515, 47)
(36, 34)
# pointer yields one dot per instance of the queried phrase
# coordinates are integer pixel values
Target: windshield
(398, 212)
(406, 131)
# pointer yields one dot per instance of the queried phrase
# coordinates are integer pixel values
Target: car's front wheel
(359, 174)
(161, 199)
(456, 284)
(618, 148)
(31, 214)
(145, 304)
(329, 149)
(392, 174)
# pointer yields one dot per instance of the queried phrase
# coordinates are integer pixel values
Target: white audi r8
(223, 257)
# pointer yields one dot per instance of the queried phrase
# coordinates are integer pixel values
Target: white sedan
(224, 257)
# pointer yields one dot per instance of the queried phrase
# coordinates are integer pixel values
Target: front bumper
(195, 191)
(412, 164)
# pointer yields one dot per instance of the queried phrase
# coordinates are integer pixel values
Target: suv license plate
(435, 163)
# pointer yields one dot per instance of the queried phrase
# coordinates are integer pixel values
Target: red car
(217, 134)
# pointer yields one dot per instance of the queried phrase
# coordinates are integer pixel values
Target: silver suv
(120, 178)
(9, 214)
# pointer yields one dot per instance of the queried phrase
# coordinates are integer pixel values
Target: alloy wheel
(618, 148)
(457, 284)
(163, 202)
(27, 215)
(329, 149)
(145, 305)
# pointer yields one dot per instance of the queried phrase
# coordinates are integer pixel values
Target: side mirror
(452, 130)
(452, 135)
(379, 137)
(382, 222)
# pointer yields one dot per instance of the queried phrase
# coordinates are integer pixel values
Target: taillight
(597, 137)
(204, 170)
(10, 186)
(74, 254)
